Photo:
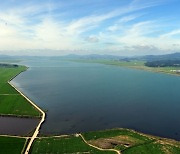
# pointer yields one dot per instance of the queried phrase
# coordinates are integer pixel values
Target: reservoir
(80, 97)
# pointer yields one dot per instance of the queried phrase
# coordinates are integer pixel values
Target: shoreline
(148, 70)
(142, 68)
(43, 115)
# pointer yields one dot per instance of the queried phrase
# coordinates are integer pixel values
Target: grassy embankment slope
(124, 140)
(11, 102)
(132, 64)
(62, 145)
(131, 142)
(11, 145)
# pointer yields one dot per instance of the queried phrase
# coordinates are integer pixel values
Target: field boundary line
(14, 136)
(25, 144)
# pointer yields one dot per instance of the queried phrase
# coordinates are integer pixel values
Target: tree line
(163, 63)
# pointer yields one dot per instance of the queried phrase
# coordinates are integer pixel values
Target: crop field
(62, 145)
(17, 105)
(11, 102)
(11, 145)
(5, 88)
(124, 140)
(153, 148)
(6, 73)
(131, 142)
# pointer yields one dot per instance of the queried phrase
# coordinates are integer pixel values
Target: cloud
(92, 39)
(121, 29)
(170, 34)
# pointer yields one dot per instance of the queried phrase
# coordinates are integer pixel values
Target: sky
(113, 27)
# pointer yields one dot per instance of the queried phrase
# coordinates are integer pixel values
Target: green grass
(16, 105)
(5, 88)
(173, 149)
(130, 137)
(112, 133)
(11, 102)
(11, 145)
(138, 143)
(63, 145)
(7, 73)
(151, 148)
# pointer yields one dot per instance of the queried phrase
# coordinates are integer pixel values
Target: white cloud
(37, 27)
(170, 34)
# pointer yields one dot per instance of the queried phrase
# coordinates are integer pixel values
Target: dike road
(36, 132)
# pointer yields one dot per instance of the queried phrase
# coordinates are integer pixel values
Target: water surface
(17, 126)
(83, 97)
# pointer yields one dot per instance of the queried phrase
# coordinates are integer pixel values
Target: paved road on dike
(39, 125)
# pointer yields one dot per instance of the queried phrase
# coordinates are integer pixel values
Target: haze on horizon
(60, 27)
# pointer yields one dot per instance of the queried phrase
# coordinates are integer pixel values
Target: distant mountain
(174, 56)
(90, 56)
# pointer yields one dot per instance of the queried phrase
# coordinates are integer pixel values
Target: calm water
(17, 126)
(83, 97)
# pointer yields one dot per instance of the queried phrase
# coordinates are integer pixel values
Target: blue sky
(117, 27)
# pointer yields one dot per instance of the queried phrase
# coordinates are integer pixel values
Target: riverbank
(133, 65)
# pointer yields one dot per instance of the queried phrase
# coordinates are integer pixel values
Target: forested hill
(8, 65)
(163, 63)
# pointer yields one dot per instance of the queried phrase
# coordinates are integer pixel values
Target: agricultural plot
(11, 145)
(11, 102)
(61, 145)
(131, 142)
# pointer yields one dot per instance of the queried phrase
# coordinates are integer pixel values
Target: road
(36, 132)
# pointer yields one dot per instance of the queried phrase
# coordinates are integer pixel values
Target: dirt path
(118, 152)
(13, 136)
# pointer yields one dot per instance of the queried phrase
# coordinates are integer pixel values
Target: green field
(153, 148)
(11, 102)
(11, 145)
(6, 73)
(124, 140)
(114, 132)
(5, 88)
(62, 145)
(17, 105)
(131, 142)
(132, 64)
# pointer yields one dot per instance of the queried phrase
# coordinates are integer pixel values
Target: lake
(84, 97)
